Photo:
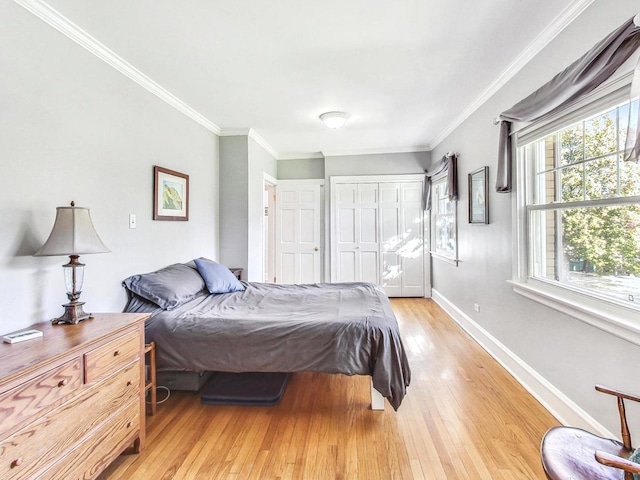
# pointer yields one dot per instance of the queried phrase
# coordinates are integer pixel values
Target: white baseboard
(557, 403)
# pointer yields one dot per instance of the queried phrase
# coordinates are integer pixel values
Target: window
(445, 242)
(579, 213)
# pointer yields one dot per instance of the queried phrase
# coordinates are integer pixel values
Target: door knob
(316, 249)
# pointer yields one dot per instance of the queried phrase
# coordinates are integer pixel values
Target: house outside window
(578, 214)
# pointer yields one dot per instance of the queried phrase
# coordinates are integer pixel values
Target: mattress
(346, 328)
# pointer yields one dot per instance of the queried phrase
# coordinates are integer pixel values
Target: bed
(346, 328)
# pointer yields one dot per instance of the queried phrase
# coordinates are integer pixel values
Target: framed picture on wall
(479, 196)
(170, 195)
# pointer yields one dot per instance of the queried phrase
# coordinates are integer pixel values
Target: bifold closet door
(379, 236)
(357, 241)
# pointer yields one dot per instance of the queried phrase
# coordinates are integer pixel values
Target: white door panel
(391, 274)
(347, 266)
(298, 236)
(287, 268)
(412, 249)
(357, 233)
(369, 267)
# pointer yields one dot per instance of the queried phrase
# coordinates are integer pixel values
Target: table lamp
(73, 234)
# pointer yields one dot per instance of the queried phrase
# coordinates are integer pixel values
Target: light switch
(132, 220)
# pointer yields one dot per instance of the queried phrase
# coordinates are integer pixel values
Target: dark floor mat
(252, 389)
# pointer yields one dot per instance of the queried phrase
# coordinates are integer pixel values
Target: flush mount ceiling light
(334, 119)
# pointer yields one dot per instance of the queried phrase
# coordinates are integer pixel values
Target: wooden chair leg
(150, 383)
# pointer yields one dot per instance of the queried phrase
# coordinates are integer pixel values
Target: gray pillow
(168, 287)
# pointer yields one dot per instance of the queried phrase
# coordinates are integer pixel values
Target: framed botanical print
(170, 195)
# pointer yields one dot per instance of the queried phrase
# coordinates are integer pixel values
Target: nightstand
(237, 272)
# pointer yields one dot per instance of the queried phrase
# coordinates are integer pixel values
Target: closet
(378, 233)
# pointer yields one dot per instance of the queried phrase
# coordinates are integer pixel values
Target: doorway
(269, 230)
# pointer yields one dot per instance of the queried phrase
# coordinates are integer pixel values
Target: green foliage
(171, 199)
(607, 239)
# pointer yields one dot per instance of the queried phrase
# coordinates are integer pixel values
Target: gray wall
(243, 163)
(234, 194)
(377, 164)
(260, 162)
(570, 354)
(73, 128)
(306, 168)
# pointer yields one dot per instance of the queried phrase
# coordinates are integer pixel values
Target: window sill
(439, 256)
(615, 319)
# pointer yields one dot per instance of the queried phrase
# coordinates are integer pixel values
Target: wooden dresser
(73, 400)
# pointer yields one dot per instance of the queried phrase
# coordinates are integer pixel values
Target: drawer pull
(129, 425)
(116, 353)
(63, 382)
(129, 383)
(17, 462)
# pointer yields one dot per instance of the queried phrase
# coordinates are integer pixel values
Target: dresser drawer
(29, 450)
(38, 394)
(100, 448)
(102, 361)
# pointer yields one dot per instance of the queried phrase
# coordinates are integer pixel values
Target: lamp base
(73, 314)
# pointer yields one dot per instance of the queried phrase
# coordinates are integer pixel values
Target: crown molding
(234, 132)
(376, 151)
(562, 21)
(300, 156)
(65, 26)
(263, 143)
(252, 134)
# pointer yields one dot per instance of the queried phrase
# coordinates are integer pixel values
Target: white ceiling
(406, 71)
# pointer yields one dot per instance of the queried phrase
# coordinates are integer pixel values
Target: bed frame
(193, 382)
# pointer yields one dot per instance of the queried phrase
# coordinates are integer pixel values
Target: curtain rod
(449, 154)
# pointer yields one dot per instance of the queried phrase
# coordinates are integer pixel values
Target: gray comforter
(335, 328)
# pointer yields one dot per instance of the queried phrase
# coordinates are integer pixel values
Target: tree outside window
(584, 214)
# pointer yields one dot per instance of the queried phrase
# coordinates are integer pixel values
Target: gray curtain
(632, 142)
(448, 163)
(579, 78)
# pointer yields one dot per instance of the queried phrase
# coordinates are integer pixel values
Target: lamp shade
(73, 234)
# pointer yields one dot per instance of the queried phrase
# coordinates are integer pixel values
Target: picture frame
(479, 196)
(170, 195)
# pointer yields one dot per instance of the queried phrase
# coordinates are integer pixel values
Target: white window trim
(608, 316)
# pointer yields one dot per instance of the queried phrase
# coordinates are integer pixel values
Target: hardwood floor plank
(464, 417)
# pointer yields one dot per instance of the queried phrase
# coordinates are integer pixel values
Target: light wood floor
(464, 417)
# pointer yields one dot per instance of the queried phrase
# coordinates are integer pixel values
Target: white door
(298, 232)
(357, 232)
(268, 233)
